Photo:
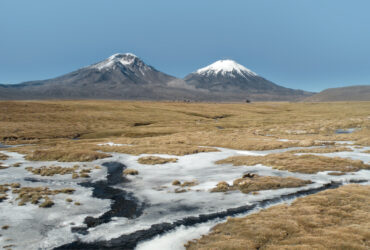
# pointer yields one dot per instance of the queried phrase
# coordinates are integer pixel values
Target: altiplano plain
(146, 175)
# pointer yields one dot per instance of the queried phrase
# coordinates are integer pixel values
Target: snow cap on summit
(124, 59)
(225, 67)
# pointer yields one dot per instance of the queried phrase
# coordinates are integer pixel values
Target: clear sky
(306, 44)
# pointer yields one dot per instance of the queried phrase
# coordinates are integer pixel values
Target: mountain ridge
(126, 76)
(348, 93)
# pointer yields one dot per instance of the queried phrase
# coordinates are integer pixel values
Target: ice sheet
(33, 227)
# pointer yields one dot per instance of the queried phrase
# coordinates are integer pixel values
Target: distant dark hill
(227, 76)
(125, 76)
(351, 93)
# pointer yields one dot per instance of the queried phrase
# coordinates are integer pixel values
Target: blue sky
(306, 44)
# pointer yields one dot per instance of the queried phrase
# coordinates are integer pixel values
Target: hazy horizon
(303, 45)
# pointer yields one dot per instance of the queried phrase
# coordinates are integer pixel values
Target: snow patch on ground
(112, 144)
(48, 228)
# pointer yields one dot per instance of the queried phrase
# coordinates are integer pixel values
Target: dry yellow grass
(66, 155)
(152, 160)
(35, 194)
(333, 219)
(130, 171)
(51, 170)
(3, 157)
(178, 128)
(189, 183)
(171, 149)
(322, 150)
(176, 183)
(75, 171)
(303, 163)
(257, 183)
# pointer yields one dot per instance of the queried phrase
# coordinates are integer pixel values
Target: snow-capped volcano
(228, 76)
(226, 67)
(126, 68)
(127, 60)
(126, 76)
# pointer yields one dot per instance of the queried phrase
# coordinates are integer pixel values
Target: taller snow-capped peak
(125, 59)
(225, 67)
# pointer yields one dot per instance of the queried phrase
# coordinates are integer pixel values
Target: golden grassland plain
(308, 164)
(152, 160)
(77, 131)
(173, 128)
(252, 183)
(332, 219)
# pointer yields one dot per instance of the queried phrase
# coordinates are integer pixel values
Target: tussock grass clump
(69, 200)
(34, 195)
(84, 173)
(252, 183)
(78, 203)
(153, 160)
(189, 183)
(4, 188)
(180, 190)
(47, 203)
(65, 155)
(184, 184)
(130, 171)
(3, 197)
(222, 186)
(332, 219)
(308, 164)
(336, 173)
(322, 150)
(176, 183)
(3, 157)
(51, 170)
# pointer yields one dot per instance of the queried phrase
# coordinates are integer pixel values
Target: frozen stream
(32, 227)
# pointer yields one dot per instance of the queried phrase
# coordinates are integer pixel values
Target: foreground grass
(253, 183)
(152, 160)
(65, 155)
(33, 195)
(307, 164)
(322, 150)
(333, 219)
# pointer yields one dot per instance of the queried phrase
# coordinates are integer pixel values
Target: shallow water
(4, 146)
(345, 131)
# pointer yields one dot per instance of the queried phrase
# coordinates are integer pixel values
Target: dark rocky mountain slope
(125, 76)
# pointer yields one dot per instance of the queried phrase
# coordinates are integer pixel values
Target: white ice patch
(112, 144)
(32, 227)
(48, 228)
